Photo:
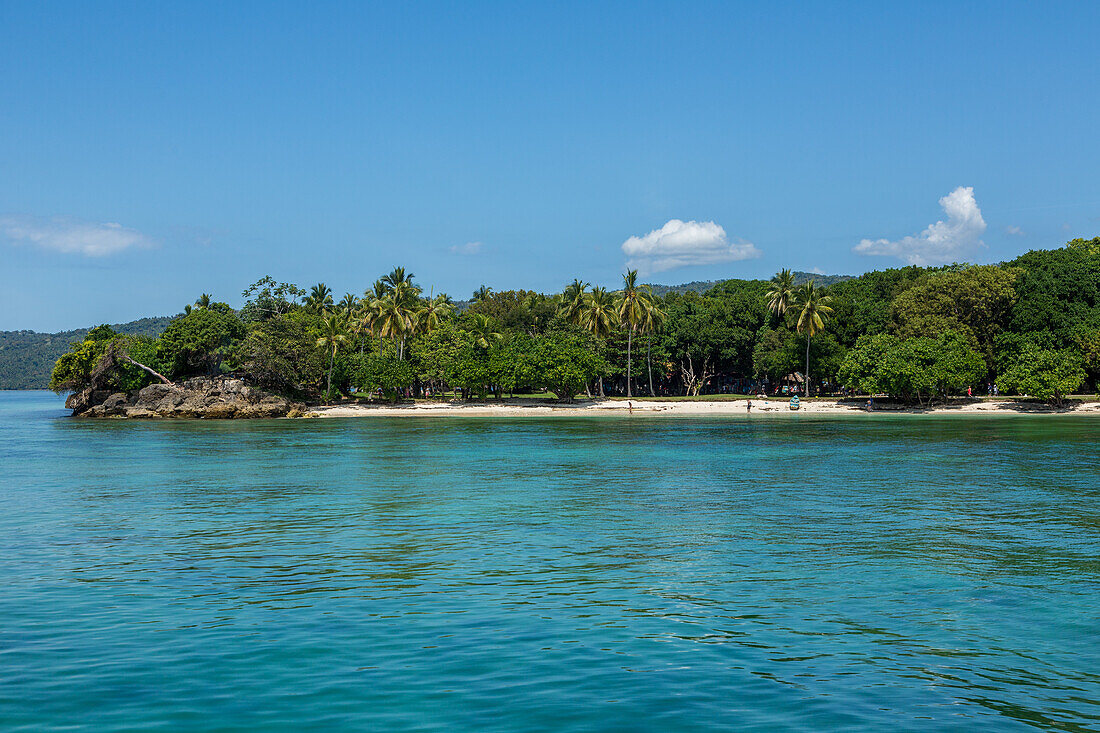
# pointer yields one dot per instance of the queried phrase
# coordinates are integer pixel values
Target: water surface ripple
(596, 574)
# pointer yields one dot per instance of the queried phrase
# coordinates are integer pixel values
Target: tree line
(1029, 326)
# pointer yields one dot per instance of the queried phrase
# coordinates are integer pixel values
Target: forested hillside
(702, 286)
(27, 357)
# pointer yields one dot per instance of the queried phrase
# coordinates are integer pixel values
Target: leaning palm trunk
(146, 369)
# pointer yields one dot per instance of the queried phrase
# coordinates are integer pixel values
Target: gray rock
(200, 397)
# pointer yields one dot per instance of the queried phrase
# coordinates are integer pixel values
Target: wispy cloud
(940, 243)
(470, 248)
(72, 237)
(682, 243)
(1014, 231)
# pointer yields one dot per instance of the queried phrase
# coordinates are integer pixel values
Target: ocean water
(596, 574)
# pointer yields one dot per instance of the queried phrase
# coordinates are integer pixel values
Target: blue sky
(150, 152)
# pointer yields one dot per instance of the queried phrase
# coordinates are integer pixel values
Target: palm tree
(483, 329)
(572, 301)
(781, 292)
(377, 291)
(814, 306)
(396, 277)
(598, 317)
(395, 321)
(333, 335)
(433, 312)
(361, 321)
(348, 304)
(203, 301)
(632, 308)
(320, 298)
(654, 320)
(481, 294)
(406, 299)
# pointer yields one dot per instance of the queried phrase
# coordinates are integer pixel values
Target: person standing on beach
(969, 391)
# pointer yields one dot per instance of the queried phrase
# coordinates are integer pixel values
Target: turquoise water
(610, 574)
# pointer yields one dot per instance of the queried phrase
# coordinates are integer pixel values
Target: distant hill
(701, 286)
(27, 357)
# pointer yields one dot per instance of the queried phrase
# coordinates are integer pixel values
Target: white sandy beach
(773, 407)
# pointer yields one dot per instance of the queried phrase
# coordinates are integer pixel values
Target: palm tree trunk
(649, 363)
(807, 363)
(331, 364)
(629, 341)
(601, 386)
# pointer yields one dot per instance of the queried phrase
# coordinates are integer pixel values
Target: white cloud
(69, 236)
(942, 242)
(681, 243)
(1014, 231)
(817, 271)
(470, 248)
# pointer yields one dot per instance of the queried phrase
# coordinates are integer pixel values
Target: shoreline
(654, 408)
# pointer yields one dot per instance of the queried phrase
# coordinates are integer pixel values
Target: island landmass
(1018, 336)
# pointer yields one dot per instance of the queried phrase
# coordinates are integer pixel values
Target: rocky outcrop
(202, 397)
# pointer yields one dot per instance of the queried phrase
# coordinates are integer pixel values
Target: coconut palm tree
(397, 275)
(396, 316)
(406, 298)
(433, 312)
(599, 317)
(482, 293)
(484, 331)
(348, 304)
(389, 323)
(653, 322)
(632, 313)
(812, 305)
(377, 291)
(320, 298)
(572, 301)
(360, 322)
(203, 301)
(781, 292)
(333, 336)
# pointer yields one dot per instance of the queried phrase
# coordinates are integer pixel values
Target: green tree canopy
(1049, 374)
(197, 342)
(976, 302)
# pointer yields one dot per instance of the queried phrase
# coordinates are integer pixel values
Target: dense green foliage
(919, 368)
(197, 342)
(1030, 326)
(27, 358)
